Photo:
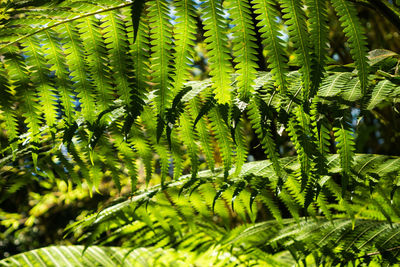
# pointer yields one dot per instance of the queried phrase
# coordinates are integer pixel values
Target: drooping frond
(295, 19)
(202, 128)
(6, 102)
(260, 123)
(40, 79)
(354, 31)
(115, 40)
(19, 78)
(184, 33)
(74, 55)
(217, 46)
(96, 55)
(318, 19)
(344, 137)
(222, 134)
(160, 33)
(244, 45)
(267, 15)
(56, 58)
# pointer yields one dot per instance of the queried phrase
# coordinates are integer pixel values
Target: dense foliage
(162, 114)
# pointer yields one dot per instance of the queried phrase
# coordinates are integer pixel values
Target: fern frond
(74, 55)
(96, 54)
(40, 78)
(318, 19)
(150, 122)
(160, 30)
(260, 124)
(344, 137)
(115, 39)
(6, 101)
(202, 128)
(333, 84)
(296, 21)
(138, 37)
(143, 149)
(223, 136)
(379, 93)
(354, 32)
(352, 90)
(241, 145)
(217, 47)
(184, 33)
(55, 57)
(101, 256)
(244, 46)
(189, 139)
(300, 134)
(267, 15)
(19, 78)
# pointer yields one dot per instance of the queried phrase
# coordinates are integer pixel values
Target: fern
(264, 134)
(115, 40)
(295, 19)
(215, 33)
(160, 32)
(75, 60)
(319, 37)
(96, 54)
(355, 33)
(6, 100)
(63, 83)
(222, 134)
(345, 144)
(243, 48)
(88, 88)
(36, 62)
(269, 29)
(184, 32)
(380, 92)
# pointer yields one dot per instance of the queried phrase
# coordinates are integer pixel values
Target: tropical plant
(107, 90)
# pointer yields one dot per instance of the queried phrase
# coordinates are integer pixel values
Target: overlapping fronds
(139, 216)
(95, 91)
(111, 256)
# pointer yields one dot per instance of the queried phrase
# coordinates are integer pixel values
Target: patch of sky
(355, 112)
(336, 57)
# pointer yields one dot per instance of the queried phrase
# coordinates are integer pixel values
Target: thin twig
(66, 21)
